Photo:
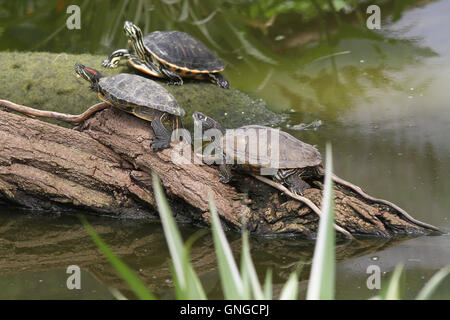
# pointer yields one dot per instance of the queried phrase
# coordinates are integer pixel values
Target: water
(380, 98)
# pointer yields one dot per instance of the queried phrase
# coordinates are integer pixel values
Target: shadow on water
(381, 98)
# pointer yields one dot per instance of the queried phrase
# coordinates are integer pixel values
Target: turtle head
(87, 73)
(132, 31)
(205, 123)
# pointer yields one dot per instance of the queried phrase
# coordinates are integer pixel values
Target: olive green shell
(135, 90)
(291, 152)
(180, 50)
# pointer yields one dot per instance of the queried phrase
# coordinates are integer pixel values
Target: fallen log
(104, 166)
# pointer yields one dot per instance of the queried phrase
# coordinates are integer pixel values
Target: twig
(306, 201)
(54, 115)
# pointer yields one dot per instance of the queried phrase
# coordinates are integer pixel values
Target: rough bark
(104, 166)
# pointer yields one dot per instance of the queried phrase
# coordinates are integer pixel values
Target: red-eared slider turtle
(169, 54)
(139, 96)
(264, 151)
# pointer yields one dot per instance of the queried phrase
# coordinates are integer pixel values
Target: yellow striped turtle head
(134, 33)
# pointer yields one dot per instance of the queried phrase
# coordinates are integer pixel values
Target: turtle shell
(136, 90)
(180, 50)
(265, 147)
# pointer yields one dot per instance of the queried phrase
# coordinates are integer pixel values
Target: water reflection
(35, 252)
(381, 98)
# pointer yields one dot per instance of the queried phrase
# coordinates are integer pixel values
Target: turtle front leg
(175, 79)
(296, 184)
(292, 180)
(113, 60)
(219, 79)
(225, 172)
(144, 67)
(162, 137)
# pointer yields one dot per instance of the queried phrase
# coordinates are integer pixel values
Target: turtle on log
(139, 96)
(169, 54)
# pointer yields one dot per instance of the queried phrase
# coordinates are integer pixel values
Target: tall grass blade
(232, 284)
(138, 287)
(248, 271)
(321, 282)
(194, 286)
(117, 294)
(393, 289)
(268, 285)
(185, 276)
(432, 284)
(290, 289)
(173, 237)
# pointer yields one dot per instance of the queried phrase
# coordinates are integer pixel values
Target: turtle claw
(300, 188)
(222, 82)
(297, 192)
(219, 80)
(157, 145)
(224, 85)
(175, 82)
(107, 64)
(224, 179)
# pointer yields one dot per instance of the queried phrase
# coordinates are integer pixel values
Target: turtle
(137, 95)
(169, 54)
(262, 150)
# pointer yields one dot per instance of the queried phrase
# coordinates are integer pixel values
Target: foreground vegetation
(243, 283)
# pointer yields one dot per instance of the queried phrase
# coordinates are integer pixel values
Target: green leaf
(290, 289)
(188, 284)
(429, 288)
(339, 4)
(321, 282)
(249, 274)
(138, 287)
(194, 287)
(268, 285)
(232, 284)
(393, 289)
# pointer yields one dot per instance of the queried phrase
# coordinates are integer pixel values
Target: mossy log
(47, 81)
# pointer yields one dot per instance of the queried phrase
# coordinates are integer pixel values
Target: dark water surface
(382, 99)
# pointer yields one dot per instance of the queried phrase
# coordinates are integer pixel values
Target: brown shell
(257, 146)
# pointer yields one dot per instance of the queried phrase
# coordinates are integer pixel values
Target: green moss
(47, 81)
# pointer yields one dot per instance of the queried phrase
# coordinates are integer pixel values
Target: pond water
(381, 98)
